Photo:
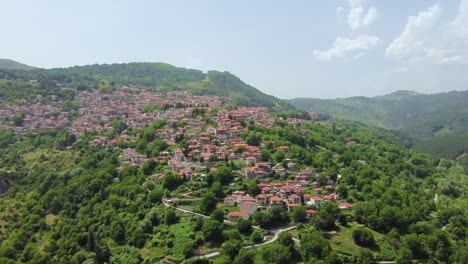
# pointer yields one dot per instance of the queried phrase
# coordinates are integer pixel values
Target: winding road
(276, 232)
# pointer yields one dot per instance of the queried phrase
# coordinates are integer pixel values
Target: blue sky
(309, 48)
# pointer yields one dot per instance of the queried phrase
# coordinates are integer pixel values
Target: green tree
(213, 231)
(275, 253)
(314, 245)
(218, 215)
(363, 237)
(245, 256)
(244, 226)
(207, 203)
(231, 248)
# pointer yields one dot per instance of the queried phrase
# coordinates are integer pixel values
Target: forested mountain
(73, 204)
(139, 171)
(153, 76)
(421, 116)
(11, 64)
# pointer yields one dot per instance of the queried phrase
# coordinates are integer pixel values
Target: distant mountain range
(11, 64)
(439, 121)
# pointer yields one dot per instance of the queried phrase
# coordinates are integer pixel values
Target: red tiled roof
(346, 205)
(238, 214)
(276, 199)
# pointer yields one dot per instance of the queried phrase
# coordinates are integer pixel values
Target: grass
(51, 219)
(343, 241)
(53, 160)
(181, 232)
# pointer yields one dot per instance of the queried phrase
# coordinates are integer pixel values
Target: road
(276, 232)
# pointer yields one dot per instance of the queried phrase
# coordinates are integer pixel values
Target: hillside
(11, 64)
(421, 116)
(152, 76)
(89, 199)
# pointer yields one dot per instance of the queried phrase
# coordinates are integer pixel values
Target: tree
(286, 239)
(363, 237)
(217, 189)
(404, 256)
(231, 248)
(245, 256)
(254, 139)
(276, 253)
(265, 155)
(207, 203)
(213, 231)
(279, 155)
(171, 181)
(314, 245)
(119, 125)
(244, 226)
(257, 236)
(218, 215)
(223, 175)
(298, 214)
(365, 256)
(170, 216)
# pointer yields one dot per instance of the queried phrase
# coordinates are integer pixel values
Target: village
(208, 143)
(220, 141)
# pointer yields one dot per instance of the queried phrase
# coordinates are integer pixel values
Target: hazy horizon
(330, 49)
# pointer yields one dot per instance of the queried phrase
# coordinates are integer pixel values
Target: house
(318, 190)
(234, 216)
(310, 213)
(275, 200)
(295, 198)
(261, 199)
(332, 197)
(317, 201)
(230, 201)
(266, 190)
(248, 207)
(345, 206)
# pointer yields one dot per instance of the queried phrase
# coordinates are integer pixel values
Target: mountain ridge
(11, 64)
(425, 117)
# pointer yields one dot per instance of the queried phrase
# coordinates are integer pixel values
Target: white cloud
(425, 39)
(347, 48)
(358, 17)
(370, 17)
(355, 17)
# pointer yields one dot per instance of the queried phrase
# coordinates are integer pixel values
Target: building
(234, 216)
(248, 207)
(230, 201)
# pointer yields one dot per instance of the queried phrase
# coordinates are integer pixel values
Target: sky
(303, 48)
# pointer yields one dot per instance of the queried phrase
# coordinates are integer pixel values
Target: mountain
(421, 116)
(11, 64)
(153, 76)
(96, 180)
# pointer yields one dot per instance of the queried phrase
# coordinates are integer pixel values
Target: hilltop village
(211, 136)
